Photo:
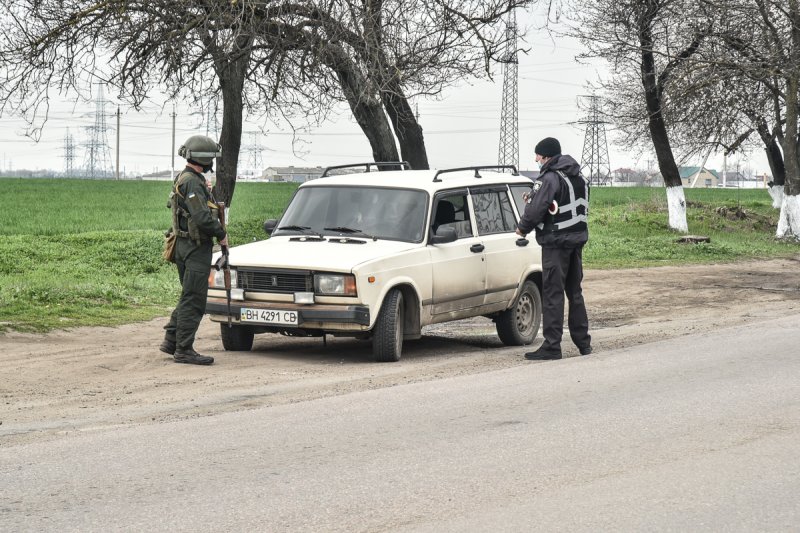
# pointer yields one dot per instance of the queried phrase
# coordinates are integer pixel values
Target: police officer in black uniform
(195, 222)
(558, 206)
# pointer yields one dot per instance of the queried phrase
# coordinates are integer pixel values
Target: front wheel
(387, 337)
(520, 324)
(236, 338)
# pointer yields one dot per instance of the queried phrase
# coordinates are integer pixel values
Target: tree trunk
(789, 221)
(676, 201)
(231, 76)
(776, 165)
(406, 128)
(364, 104)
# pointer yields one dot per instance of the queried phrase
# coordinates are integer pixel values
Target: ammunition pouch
(169, 246)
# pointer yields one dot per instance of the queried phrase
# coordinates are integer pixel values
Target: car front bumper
(314, 316)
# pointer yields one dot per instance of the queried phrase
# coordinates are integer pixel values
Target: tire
(387, 336)
(519, 325)
(236, 338)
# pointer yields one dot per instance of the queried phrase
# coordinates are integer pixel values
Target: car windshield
(380, 212)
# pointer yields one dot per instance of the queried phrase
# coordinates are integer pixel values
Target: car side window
(516, 193)
(453, 210)
(493, 212)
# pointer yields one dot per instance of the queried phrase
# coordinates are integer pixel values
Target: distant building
(161, 175)
(695, 177)
(294, 174)
(699, 178)
(743, 180)
(629, 177)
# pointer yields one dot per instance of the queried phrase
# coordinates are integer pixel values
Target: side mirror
(269, 225)
(443, 235)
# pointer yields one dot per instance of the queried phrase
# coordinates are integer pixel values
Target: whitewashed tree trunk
(789, 221)
(676, 202)
(776, 192)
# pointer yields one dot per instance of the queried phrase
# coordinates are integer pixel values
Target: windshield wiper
(343, 229)
(304, 229)
(351, 231)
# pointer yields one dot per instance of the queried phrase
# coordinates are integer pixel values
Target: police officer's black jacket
(567, 228)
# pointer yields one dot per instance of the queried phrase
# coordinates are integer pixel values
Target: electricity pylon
(69, 155)
(98, 154)
(508, 153)
(595, 164)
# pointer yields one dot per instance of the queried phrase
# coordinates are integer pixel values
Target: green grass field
(82, 252)
(88, 252)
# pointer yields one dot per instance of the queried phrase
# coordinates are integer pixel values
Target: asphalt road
(699, 433)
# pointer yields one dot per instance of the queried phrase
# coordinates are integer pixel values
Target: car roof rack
(377, 164)
(476, 169)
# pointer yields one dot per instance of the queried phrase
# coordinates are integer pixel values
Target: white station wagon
(380, 255)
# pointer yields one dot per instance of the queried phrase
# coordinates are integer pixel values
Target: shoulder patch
(192, 195)
(536, 186)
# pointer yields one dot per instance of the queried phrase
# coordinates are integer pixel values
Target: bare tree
(276, 58)
(649, 42)
(194, 50)
(762, 38)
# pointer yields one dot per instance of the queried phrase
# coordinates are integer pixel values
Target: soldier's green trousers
(194, 266)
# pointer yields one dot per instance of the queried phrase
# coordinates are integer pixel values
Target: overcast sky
(461, 127)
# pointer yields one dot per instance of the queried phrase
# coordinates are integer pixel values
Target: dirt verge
(92, 378)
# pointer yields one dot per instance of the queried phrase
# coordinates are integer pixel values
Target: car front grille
(275, 280)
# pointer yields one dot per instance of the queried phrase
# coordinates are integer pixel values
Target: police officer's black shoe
(191, 357)
(167, 346)
(586, 351)
(542, 355)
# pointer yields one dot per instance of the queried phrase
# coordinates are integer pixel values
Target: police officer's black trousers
(562, 273)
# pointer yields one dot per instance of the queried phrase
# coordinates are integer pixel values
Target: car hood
(331, 254)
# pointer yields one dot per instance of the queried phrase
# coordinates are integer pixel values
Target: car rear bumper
(309, 316)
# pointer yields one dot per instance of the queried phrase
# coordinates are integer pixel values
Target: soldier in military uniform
(557, 207)
(195, 222)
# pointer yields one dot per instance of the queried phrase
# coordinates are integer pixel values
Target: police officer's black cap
(548, 147)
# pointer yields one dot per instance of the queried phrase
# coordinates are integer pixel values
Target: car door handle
(477, 248)
(522, 241)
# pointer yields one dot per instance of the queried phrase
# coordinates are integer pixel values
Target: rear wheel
(520, 324)
(236, 338)
(387, 337)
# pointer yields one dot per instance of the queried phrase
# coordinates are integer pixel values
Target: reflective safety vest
(570, 209)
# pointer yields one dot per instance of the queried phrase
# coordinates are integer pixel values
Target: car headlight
(335, 284)
(216, 279)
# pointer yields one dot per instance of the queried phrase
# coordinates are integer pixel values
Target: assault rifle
(223, 261)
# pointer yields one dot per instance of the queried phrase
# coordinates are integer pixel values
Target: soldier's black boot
(167, 346)
(191, 357)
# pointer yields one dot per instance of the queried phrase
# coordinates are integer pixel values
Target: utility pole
(172, 166)
(117, 142)
(595, 147)
(508, 152)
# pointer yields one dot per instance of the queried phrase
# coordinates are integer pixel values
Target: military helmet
(201, 149)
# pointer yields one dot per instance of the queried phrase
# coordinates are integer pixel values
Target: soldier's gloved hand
(224, 242)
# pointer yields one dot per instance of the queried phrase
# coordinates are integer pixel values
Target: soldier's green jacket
(194, 199)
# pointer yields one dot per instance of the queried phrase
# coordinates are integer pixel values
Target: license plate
(269, 316)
